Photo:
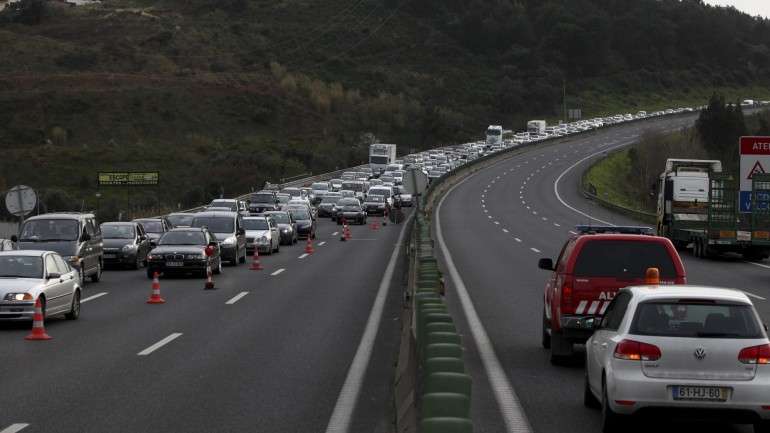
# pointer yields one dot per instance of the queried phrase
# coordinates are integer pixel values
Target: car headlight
(286, 230)
(262, 240)
(129, 247)
(230, 241)
(153, 257)
(19, 297)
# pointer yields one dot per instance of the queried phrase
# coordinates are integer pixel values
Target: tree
(719, 127)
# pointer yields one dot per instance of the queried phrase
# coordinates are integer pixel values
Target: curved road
(495, 225)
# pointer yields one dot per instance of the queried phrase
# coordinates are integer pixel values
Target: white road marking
(557, 224)
(527, 207)
(747, 294)
(517, 239)
(572, 232)
(512, 412)
(489, 216)
(322, 243)
(335, 233)
(303, 256)
(505, 230)
(483, 205)
(13, 428)
(753, 263)
(534, 212)
(485, 211)
(483, 195)
(91, 298)
(160, 344)
(238, 297)
(346, 402)
(278, 272)
(535, 250)
(497, 223)
(545, 219)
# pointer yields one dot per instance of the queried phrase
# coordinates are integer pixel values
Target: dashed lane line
(160, 344)
(518, 240)
(236, 298)
(13, 428)
(754, 296)
(88, 299)
(506, 231)
(335, 233)
(535, 250)
(278, 272)
(303, 256)
(322, 243)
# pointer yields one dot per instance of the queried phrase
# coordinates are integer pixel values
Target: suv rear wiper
(718, 334)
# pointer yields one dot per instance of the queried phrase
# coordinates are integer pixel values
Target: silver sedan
(685, 349)
(28, 275)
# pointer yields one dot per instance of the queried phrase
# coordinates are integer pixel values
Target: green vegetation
(604, 178)
(272, 89)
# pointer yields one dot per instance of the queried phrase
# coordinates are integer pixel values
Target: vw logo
(700, 354)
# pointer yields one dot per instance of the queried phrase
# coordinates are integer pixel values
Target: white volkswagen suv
(694, 351)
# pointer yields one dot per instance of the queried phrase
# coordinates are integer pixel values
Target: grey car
(26, 276)
(286, 225)
(125, 244)
(229, 231)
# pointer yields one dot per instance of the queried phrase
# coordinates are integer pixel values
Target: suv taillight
(566, 296)
(631, 350)
(755, 355)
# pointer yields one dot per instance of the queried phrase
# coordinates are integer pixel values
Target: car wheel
(561, 349)
(42, 308)
(546, 338)
(137, 264)
(610, 420)
(98, 275)
(589, 399)
(218, 269)
(243, 258)
(75, 307)
(762, 427)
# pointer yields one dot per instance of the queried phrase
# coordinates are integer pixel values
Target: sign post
(755, 159)
(20, 201)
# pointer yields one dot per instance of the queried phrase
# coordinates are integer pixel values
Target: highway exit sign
(755, 159)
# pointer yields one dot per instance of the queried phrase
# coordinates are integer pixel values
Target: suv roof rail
(626, 230)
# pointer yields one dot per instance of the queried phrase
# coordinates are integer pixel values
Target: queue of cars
(653, 344)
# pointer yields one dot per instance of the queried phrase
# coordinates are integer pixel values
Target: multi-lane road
(276, 359)
(494, 226)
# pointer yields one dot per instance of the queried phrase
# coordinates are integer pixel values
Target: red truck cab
(592, 266)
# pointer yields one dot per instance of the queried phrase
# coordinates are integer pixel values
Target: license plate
(744, 236)
(707, 393)
(174, 264)
(110, 256)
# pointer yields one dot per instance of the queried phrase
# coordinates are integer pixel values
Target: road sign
(114, 178)
(755, 158)
(20, 200)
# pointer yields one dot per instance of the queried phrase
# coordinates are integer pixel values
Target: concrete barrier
(445, 404)
(446, 425)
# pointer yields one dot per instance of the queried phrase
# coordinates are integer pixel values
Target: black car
(350, 210)
(326, 207)
(375, 204)
(154, 227)
(263, 201)
(125, 244)
(183, 251)
(180, 219)
(286, 226)
(305, 222)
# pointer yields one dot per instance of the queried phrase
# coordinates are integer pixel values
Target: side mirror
(546, 264)
(53, 275)
(241, 232)
(14, 239)
(85, 237)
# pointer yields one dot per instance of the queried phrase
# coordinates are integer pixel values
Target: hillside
(222, 95)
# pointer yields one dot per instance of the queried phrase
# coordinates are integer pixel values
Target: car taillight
(631, 350)
(755, 355)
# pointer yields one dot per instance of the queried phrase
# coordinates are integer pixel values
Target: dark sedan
(305, 222)
(326, 206)
(350, 210)
(263, 201)
(125, 244)
(155, 228)
(183, 251)
(286, 226)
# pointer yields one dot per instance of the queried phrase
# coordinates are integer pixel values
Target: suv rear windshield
(623, 259)
(263, 198)
(215, 224)
(696, 320)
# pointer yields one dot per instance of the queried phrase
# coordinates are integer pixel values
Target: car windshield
(284, 199)
(353, 186)
(696, 319)
(183, 238)
(376, 159)
(348, 202)
(623, 259)
(280, 218)
(151, 226)
(332, 199)
(299, 214)
(180, 220)
(114, 231)
(255, 224)
(21, 267)
(49, 230)
(262, 198)
(292, 192)
(225, 204)
(320, 186)
(215, 224)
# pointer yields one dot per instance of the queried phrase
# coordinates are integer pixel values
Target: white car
(262, 234)
(681, 349)
(28, 275)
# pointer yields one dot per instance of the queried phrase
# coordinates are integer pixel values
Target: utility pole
(564, 97)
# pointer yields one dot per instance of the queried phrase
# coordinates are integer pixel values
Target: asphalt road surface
(496, 225)
(272, 360)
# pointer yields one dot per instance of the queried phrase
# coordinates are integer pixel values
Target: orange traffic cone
(155, 297)
(255, 264)
(385, 217)
(38, 326)
(209, 279)
(309, 246)
(347, 233)
(374, 225)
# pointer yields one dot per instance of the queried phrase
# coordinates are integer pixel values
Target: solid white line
(753, 263)
(278, 272)
(535, 250)
(13, 428)
(303, 256)
(236, 298)
(517, 239)
(322, 243)
(160, 344)
(335, 233)
(91, 298)
(346, 402)
(512, 412)
(754, 296)
(558, 179)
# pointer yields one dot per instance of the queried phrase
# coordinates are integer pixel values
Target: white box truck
(380, 155)
(536, 127)
(494, 136)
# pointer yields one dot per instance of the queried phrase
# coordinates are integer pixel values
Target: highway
(271, 360)
(493, 227)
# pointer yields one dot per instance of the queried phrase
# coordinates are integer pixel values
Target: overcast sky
(752, 7)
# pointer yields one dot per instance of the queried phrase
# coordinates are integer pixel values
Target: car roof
(119, 223)
(217, 213)
(255, 217)
(61, 215)
(687, 291)
(187, 229)
(618, 237)
(225, 200)
(26, 253)
(138, 220)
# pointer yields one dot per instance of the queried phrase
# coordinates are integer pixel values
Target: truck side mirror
(14, 239)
